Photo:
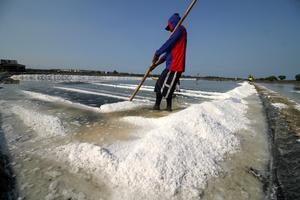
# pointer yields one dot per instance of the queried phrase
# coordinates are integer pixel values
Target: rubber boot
(169, 104)
(157, 102)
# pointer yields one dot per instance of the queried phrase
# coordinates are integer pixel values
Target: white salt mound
(279, 105)
(122, 106)
(44, 125)
(173, 157)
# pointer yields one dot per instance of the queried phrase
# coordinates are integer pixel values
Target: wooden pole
(141, 83)
(149, 68)
(185, 14)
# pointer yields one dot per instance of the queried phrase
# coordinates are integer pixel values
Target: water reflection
(297, 87)
(291, 91)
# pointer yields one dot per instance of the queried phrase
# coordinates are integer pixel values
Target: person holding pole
(173, 52)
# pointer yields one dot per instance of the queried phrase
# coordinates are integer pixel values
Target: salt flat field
(78, 137)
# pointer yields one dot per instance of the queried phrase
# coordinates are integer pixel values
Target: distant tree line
(276, 78)
(79, 72)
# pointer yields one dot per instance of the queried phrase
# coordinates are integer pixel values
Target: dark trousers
(165, 86)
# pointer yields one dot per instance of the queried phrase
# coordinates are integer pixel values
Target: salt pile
(44, 125)
(122, 106)
(173, 157)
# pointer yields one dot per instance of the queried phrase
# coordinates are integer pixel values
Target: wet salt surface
(98, 155)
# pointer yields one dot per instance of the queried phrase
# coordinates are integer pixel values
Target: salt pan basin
(170, 157)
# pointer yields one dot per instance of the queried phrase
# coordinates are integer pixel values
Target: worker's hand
(155, 58)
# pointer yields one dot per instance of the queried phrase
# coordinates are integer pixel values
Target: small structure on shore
(11, 66)
(250, 78)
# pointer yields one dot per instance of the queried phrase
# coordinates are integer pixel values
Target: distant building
(11, 66)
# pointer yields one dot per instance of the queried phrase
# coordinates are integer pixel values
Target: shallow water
(292, 91)
(39, 177)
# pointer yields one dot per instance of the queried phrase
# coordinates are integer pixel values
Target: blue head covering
(172, 22)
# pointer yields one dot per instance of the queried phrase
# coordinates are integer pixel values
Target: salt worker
(173, 51)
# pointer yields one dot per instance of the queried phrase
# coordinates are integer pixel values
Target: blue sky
(225, 38)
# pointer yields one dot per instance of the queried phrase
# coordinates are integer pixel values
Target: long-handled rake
(149, 68)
